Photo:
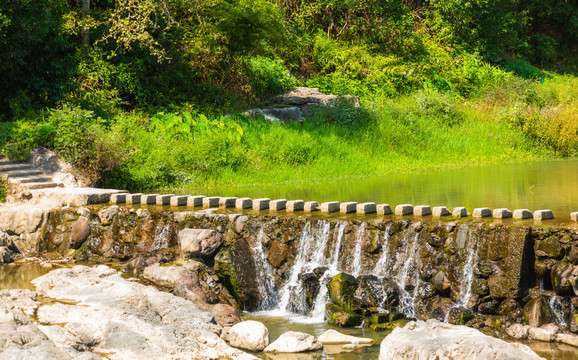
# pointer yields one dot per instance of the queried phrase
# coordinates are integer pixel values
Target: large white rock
(249, 335)
(294, 342)
(436, 340)
(335, 337)
(126, 320)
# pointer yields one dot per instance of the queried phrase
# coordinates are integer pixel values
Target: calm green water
(541, 185)
(279, 325)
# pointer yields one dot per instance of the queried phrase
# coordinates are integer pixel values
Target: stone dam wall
(377, 273)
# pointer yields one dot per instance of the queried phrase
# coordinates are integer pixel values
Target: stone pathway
(25, 175)
(29, 185)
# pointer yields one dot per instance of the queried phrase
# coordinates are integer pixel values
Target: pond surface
(539, 185)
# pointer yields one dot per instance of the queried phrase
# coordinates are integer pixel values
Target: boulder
(342, 290)
(561, 278)
(294, 342)
(107, 214)
(249, 335)
(278, 253)
(197, 243)
(79, 232)
(441, 282)
(335, 337)
(538, 312)
(127, 320)
(436, 340)
(335, 315)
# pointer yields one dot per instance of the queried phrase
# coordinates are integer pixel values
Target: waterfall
(265, 275)
(558, 310)
(381, 267)
(357, 252)
(467, 282)
(310, 255)
(468, 271)
(318, 312)
(406, 300)
(334, 262)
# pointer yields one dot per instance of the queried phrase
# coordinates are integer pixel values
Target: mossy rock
(549, 247)
(335, 315)
(537, 312)
(342, 290)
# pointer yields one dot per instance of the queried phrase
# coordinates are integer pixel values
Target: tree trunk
(85, 32)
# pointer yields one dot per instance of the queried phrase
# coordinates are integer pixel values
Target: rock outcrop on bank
(94, 311)
(436, 340)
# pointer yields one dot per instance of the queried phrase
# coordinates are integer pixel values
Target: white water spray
(356, 271)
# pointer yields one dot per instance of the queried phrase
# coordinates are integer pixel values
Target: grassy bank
(147, 95)
(516, 120)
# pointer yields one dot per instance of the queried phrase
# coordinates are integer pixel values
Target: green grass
(514, 121)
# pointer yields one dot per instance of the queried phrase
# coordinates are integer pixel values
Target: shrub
(440, 106)
(3, 191)
(269, 77)
(341, 112)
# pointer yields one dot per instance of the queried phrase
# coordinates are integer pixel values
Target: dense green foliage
(142, 104)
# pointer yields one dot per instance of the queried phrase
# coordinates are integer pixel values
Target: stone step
(30, 179)
(12, 167)
(4, 161)
(22, 173)
(41, 185)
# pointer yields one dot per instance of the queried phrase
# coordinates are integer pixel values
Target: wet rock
(236, 267)
(106, 215)
(377, 292)
(511, 249)
(335, 315)
(549, 247)
(342, 290)
(79, 232)
(335, 337)
(537, 312)
(489, 307)
(510, 308)
(311, 284)
(249, 335)
(196, 243)
(278, 253)
(560, 276)
(294, 342)
(569, 339)
(240, 223)
(460, 316)
(441, 282)
(435, 340)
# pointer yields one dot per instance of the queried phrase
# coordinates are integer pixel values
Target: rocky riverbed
(381, 273)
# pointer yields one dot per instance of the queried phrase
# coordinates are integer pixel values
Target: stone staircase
(25, 176)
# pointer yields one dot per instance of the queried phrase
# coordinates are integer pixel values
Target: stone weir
(511, 279)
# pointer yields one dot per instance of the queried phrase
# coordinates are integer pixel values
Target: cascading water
(407, 300)
(356, 271)
(468, 271)
(265, 276)
(558, 310)
(466, 285)
(310, 255)
(318, 312)
(382, 266)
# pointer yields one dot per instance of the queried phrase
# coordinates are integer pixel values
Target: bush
(269, 77)
(341, 112)
(3, 191)
(440, 106)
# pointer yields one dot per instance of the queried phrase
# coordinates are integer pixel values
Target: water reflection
(540, 185)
